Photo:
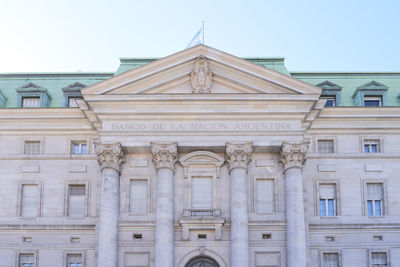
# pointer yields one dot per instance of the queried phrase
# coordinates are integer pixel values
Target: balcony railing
(202, 212)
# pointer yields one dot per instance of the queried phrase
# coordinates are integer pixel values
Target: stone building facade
(200, 159)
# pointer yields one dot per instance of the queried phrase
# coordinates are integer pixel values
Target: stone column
(164, 158)
(238, 157)
(293, 159)
(110, 157)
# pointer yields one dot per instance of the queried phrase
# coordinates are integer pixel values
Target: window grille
(202, 196)
(31, 102)
(327, 200)
(330, 260)
(76, 200)
(72, 102)
(372, 101)
(379, 259)
(32, 147)
(79, 148)
(371, 146)
(265, 202)
(29, 201)
(375, 199)
(138, 196)
(74, 260)
(325, 146)
(27, 260)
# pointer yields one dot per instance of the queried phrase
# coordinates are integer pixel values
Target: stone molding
(109, 155)
(201, 77)
(238, 155)
(164, 155)
(294, 155)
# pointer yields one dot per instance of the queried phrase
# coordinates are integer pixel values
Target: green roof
(347, 83)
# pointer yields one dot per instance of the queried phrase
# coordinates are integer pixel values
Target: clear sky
(90, 35)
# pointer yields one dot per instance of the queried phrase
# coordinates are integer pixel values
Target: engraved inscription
(204, 126)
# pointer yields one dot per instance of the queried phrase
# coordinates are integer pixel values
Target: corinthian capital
(238, 155)
(294, 155)
(164, 155)
(109, 155)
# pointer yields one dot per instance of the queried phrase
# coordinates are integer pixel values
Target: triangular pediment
(327, 85)
(183, 73)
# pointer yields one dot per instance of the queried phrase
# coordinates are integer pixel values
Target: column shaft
(110, 157)
(165, 218)
(238, 157)
(108, 225)
(293, 159)
(239, 219)
(164, 158)
(295, 227)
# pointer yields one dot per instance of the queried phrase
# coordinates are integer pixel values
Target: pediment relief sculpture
(201, 77)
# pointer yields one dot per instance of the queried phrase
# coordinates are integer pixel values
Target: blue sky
(86, 35)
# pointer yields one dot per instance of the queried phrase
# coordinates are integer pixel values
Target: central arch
(202, 261)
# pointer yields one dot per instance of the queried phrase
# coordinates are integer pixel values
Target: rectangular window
(265, 193)
(330, 101)
(74, 260)
(30, 200)
(31, 102)
(138, 196)
(371, 146)
(375, 199)
(32, 147)
(72, 102)
(202, 195)
(26, 260)
(379, 259)
(330, 260)
(76, 200)
(79, 148)
(372, 101)
(325, 146)
(327, 200)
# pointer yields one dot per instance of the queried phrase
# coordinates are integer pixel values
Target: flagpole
(203, 31)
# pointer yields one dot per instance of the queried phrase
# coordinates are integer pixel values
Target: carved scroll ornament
(238, 155)
(164, 155)
(109, 155)
(293, 155)
(201, 77)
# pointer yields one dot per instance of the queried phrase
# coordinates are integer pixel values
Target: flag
(197, 38)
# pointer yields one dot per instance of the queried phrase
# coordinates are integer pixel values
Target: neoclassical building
(200, 159)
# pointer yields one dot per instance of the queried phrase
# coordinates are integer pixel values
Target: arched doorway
(202, 262)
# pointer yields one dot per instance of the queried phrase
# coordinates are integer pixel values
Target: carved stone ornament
(294, 155)
(238, 155)
(201, 77)
(164, 155)
(109, 155)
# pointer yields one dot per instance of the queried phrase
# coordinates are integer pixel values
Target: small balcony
(201, 213)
